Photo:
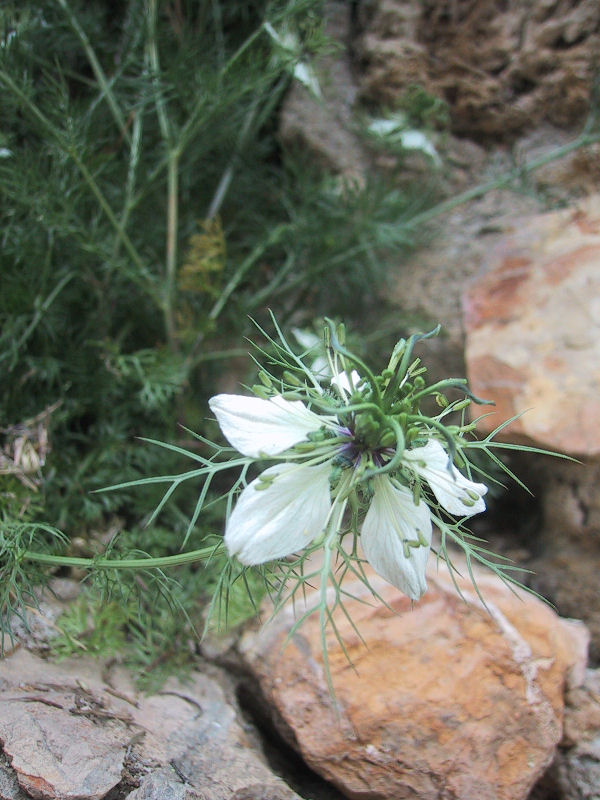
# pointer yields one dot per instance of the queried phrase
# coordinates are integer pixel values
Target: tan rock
(533, 324)
(56, 755)
(446, 700)
(533, 61)
(68, 733)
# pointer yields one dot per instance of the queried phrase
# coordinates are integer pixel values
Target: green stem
(38, 316)
(504, 180)
(227, 176)
(134, 156)
(172, 179)
(171, 265)
(97, 69)
(125, 563)
(355, 360)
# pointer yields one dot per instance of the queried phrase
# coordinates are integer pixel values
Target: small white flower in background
(290, 49)
(395, 131)
(343, 467)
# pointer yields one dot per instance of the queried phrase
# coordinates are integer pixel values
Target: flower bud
(367, 429)
(289, 377)
(388, 438)
(305, 447)
(461, 404)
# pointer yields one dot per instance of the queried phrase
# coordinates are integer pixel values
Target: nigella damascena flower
(324, 459)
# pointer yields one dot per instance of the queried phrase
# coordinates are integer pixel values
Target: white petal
(283, 518)
(304, 73)
(342, 382)
(258, 427)
(457, 494)
(392, 521)
(416, 140)
(307, 339)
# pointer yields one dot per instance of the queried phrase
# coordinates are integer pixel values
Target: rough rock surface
(566, 552)
(533, 61)
(325, 127)
(445, 701)
(533, 323)
(68, 733)
(56, 755)
(575, 773)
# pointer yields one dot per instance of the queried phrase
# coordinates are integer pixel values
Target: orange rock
(446, 700)
(532, 324)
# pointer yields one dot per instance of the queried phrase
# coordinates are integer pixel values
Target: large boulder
(447, 699)
(532, 323)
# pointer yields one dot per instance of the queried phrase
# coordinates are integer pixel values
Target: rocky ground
(449, 700)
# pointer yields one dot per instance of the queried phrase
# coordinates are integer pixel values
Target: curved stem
(125, 563)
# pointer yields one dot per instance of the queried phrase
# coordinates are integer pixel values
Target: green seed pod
(416, 490)
(289, 377)
(419, 382)
(441, 400)
(305, 447)
(264, 482)
(367, 429)
(468, 428)
(411, 435)
(388, 438)
(461, 404)
(459, 460)
(265, 379)
(261, 391)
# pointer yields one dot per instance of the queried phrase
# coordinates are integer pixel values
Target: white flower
(457, 494)
(291, 504)
(395, 130)
(273, 522)
(258, 427)
(290, 49)
(390, 537)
